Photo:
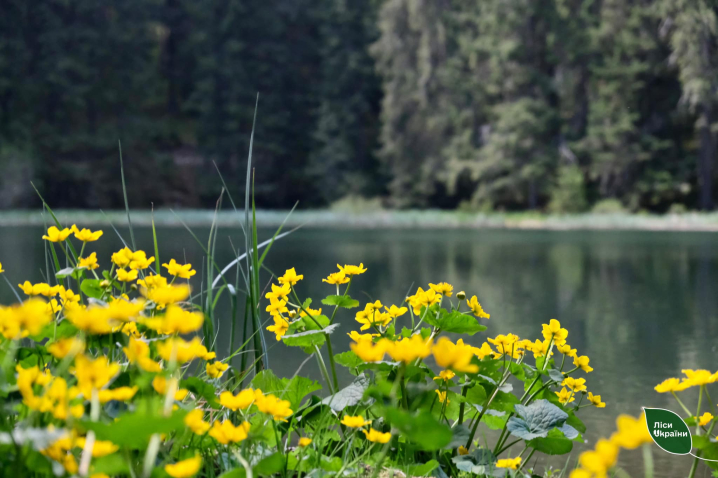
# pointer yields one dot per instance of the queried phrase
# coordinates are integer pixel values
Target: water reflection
(640, 304)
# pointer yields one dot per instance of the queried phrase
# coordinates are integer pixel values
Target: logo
(669, 431)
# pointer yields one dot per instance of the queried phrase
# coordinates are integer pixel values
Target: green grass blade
(154, 240)
(124, 192)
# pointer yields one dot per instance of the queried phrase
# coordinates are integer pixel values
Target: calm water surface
(642, 305)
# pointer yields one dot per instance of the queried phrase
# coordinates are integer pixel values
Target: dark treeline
(494, 104)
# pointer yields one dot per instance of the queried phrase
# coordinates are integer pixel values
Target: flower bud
(105, 283)
(461, 295)
(133, 287)
(292, 313)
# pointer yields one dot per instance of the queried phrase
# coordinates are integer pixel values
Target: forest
(495, 105)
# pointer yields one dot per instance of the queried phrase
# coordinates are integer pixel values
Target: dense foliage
(512, 104)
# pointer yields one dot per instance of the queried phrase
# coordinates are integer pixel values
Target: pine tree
(410, 55)
(343, 157)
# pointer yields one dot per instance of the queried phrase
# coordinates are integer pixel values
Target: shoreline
(410, 219)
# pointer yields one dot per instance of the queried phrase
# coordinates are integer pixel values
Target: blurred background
(556, 105)
(482, 107)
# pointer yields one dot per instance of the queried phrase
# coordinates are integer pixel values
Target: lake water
(641, 305)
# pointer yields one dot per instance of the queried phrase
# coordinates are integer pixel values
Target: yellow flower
(138, 352)
(94, 319)
(153, 280)
(483, 351)
(182, 271)
(698, 377)
(705, 419)
(304, 441)
(336, 278)
(454, 356)
(352, 270)
(271, 405)
(1, 269)
(184, 351)
(445, 375)
(216, 369)
(512, 463)
(369, 352)
(276, 307)
(476, 308)
(354, 422)
(226, 432)
(310, 311)
(176, 320)
(185, 468)
(574, 384)
(279, 328)
(566, 350)
(279, 292)
(94, 374)
(27, 318)
(462, 450)
(126, 276)
(442, 397)
(64, 347)
(582, 363)
(194, 422)
(506, 345)
(671, 385)
(631, 432)
(56, 235)
(596, 400)
(290, 277)
(164, 295)
(357, 337)
(580, 473)
(442, 288)
(121, 394)
(100, 448)
(377, 436)
(36, 289)
(123, 257)
(564, 396)
(553, 330)
(159, 383)
(100, 475)
(85, 235)
(395, 311)
(600, 460)
(242, 400)
(409, 349)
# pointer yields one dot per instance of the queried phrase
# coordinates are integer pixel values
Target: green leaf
(553, 444)
(134, 431)
(480, 461)
(422, 428)
(69, 272)
(348, 396)
(575, 422)
(307, 323)
(270, 465)
(91, 288)
(294, 389)
(668, 431)
(309, 338)
(456, 322)
(201, 388)
(348, 359)
(114, 464)
(343, 301)
(536, 420)
(422, 470)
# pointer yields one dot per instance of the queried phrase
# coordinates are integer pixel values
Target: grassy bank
(429, 219)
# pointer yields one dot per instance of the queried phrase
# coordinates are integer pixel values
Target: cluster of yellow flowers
(693, 378)
(153, 321)
(630, 434)
(371, 434)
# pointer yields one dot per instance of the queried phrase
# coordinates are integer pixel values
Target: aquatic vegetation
(112, 371)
